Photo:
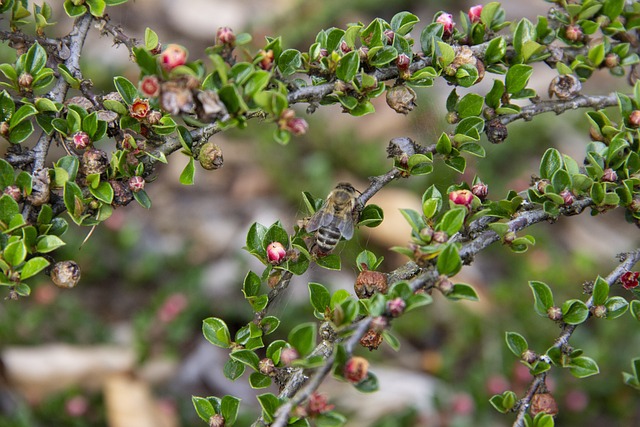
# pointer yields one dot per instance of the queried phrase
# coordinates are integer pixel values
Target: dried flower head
(401, 98)
(65, 274)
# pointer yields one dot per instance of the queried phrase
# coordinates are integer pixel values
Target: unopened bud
(509, 237)
(573, 33)
(480, 190)
(65, 274)
(403, 62)
(568, 197)
(225, 35)
(14, 192)
(288, 356)
(154, 116)
(344, 47)
(136, 183)
(529, 356)
(609, 175)
(452, 117)
(461, 198)
(276, 253)
(267, 367)
(554, 313)
(445, 285)
(599, 311)
(216, 420)
(396, 307)
(440, 237)
(173, 56)
(634, 119)
(81, 140)
(4, 129)
(474, 13)
(446, 19)
(611, 60)
(25, 80)
(356, 369)
(389, 34)
(266, 61)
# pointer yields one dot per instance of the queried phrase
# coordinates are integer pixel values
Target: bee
(335, 219)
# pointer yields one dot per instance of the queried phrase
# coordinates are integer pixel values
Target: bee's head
(346, 187)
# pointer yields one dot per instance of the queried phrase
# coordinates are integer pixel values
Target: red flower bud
(474, 13)
(150, 86)
(462, 198)
(296, 125)
(276, 253)
(396, 307)
(173, 56)
(389, 34)
(446, 19)
(344, 47)
(81, 140)
(225, 35)
(356, 369)
(630, 279)
(139, 109)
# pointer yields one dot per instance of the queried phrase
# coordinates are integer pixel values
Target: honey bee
(335, 219)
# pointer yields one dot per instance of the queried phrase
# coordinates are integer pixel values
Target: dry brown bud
(65, 274)
(543, 403)
(369, 283)
(401, 98)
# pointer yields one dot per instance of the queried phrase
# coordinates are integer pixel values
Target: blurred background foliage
(149, 278)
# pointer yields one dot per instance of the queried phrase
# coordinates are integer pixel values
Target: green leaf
(8, 208)
(251, 285)
(203, 408)
(103, 192)
(289, 61)
(582, 367)
(369, 384)
(269, 324)
(449, 262)
(269, 404)
(48, 244)
(634, 308)
(255, 240)
(247, 357)
(452, 220)
(463, 291)
(371, 216)
(36, 59)
(15, 253)
(126, 89)
(543, 297)
(229, 406)
(348, 66)
(516, 343)
(330, 262)
(517, 78)
(382, 56)
(470, 105)
(143, 199)
(496, 49)
(188, 173)
(574, 312)
(24, 112)
(303, 338)
(257, 82)
(233, 369)
(258, 380)
(550, 163)
(319, 296)
(613, 8)
(21, 132)
(504, 402)
(616, 307)
(150, 40)
(32, 267)
(403, 22)
(216, 332)
(600, 291)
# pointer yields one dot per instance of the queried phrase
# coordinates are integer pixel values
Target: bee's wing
(346, 227)
(321, 218)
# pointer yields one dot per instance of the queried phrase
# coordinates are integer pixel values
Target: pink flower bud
(136, 183)
(389, 34)
(568, 197)
(172, 307)
(630, 279)
(356, 369)
(344, 47)
(150, 86)
(77, 406)
(396, 307)
(225, 35)
(288, 355)
(474, 13)
(318, 404)
(462, 198)
(480, 190)
(609, 175)
(81, 140)
(173, 56)
(276, 253)
(446, 19)
(139, 109)
(297, 126)
(403, 62)
(634, 119)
